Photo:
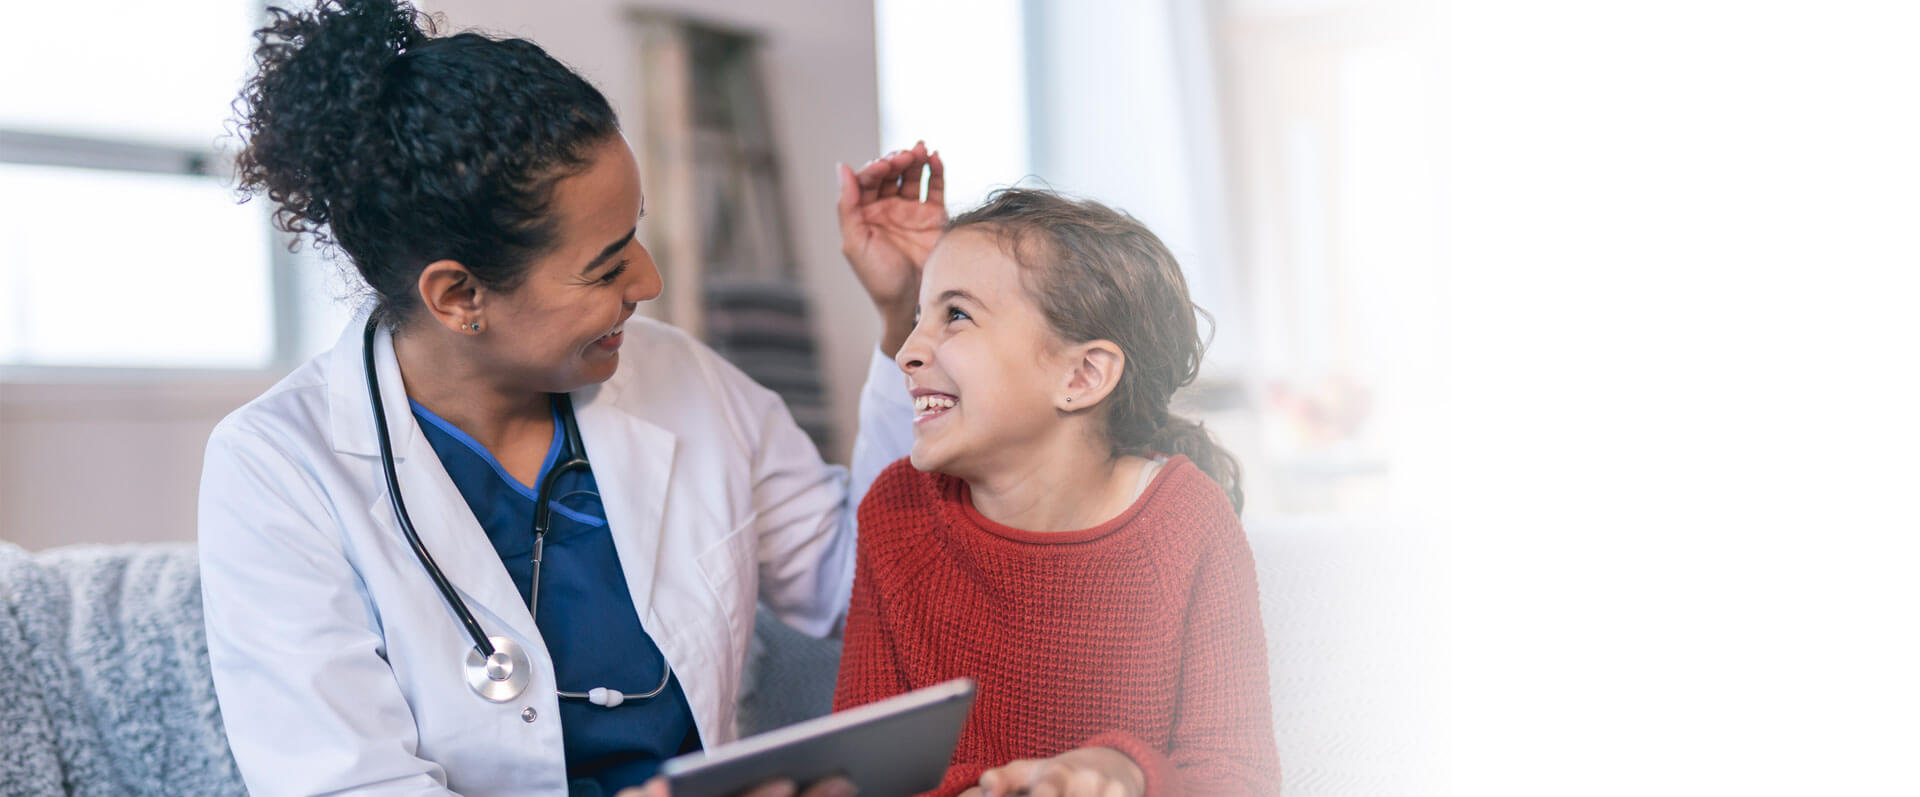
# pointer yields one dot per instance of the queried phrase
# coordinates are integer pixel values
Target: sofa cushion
(103, 665)
(113, 694)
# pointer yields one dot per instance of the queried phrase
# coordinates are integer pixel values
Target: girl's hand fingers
(910, 182)
(653, 788)
(898, 174)
(1086, 782)
(1010, 778)
(936, 180)
(899, 162)
(848, 204)
(832, 787)
(890, 185)
(869, 178)
(773, 788)
(995, 783)
(902, 158)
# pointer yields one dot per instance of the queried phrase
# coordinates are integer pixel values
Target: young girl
(1056, 535)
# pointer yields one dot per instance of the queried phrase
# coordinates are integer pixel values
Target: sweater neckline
(964, 498)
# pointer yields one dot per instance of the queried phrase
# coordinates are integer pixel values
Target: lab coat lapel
(632, 463)
(349, 412)
(453, 537)
(446, 525)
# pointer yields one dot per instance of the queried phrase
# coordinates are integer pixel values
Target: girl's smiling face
(986, 371)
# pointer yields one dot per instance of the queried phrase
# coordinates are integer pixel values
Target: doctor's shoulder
(673, 378)
(288, 416)
(269, 464)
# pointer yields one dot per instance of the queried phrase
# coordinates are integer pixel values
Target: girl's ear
(1097, 366)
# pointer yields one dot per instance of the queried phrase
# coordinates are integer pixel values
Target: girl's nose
(913, 354)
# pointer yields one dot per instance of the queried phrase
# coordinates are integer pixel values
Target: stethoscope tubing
(542, 507)
(453, 601)
(496, 679)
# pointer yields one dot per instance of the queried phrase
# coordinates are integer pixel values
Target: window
(122, 243)
(964, 90)
(1285, 152)
(1104, 100)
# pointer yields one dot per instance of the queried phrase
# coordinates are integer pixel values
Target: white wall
(139, 439)
(108, 461)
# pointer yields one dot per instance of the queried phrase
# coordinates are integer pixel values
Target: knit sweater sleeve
(1222, 741)
(869, 670)
(869, 667)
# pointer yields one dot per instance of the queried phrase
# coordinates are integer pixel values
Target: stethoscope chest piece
(502, 676)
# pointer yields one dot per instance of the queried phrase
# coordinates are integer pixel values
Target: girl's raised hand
(1085, 772)
(888, 227)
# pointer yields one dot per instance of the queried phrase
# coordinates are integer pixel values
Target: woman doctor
(483, 191)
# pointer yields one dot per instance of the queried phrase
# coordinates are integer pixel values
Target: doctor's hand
(831, 787)
(887, 228)
(1086, 772)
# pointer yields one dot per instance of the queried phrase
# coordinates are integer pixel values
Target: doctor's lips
(928, 404)
(611, 340)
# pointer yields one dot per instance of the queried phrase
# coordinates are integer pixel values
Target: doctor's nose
(646, 283)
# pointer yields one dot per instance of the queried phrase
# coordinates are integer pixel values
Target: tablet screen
(900, 745)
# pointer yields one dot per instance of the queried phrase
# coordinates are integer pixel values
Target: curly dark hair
(1099, 274)
(399, 148)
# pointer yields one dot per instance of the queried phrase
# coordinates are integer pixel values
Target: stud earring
(475, 326)
(1069, 399)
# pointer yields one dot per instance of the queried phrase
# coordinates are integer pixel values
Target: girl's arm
(869, 670)
(1223, 739)
(1222, 742)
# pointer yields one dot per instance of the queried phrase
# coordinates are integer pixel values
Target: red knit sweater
(1142, 634)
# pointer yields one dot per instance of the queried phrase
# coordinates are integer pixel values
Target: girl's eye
(957, 314)
(614, 273)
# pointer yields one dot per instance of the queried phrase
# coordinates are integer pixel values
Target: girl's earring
(475, 326)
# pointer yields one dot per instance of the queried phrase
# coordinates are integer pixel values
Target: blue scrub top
(586, 613)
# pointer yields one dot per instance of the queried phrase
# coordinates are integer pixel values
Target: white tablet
(900, 745)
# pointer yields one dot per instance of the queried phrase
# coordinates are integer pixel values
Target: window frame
(62, 150)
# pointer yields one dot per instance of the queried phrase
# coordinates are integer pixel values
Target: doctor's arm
(806, 509)
(309, 703)
(807, 525)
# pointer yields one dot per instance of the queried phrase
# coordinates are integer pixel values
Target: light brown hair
(1099, 274)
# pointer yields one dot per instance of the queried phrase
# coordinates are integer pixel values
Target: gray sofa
(106, 690)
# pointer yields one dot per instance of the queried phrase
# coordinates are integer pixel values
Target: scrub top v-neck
(586, 615)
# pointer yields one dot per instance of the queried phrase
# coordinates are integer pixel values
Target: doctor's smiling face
(560, 328)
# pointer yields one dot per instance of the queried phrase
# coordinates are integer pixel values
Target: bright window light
(102, 268)
(161, 73)
(955, 74)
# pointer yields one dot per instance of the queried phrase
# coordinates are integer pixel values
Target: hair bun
(310, 115)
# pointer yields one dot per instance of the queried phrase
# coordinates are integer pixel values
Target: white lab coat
(338, 664)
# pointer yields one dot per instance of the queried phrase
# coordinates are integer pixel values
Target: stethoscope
(496, 667)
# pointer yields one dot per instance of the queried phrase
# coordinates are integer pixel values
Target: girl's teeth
(924, 404)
